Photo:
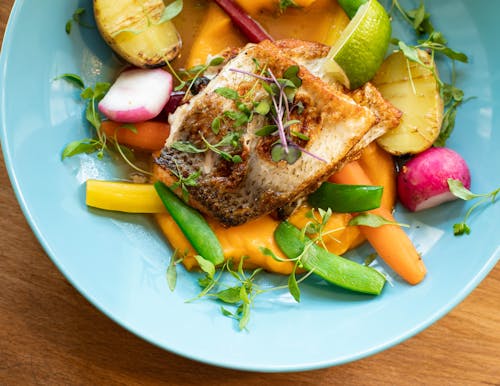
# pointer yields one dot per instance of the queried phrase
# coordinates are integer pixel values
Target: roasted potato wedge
(412, 89)
(133, 31)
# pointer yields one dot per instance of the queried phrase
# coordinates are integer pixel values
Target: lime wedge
(358, 53)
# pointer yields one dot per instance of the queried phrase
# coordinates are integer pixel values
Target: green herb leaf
(129, 126)
(68, 26)
(278, 153)
(172, 272)
(86, 145)
(228, 93)
(216, 61)
(74, 79)
(372, 220)
(459, 190)
(262, 108)
(229, 295)
(267, 252)
(206, 266)
(227, 313)
(171, 11)
(410, 52)
(266, 130)
(245, 315)
(216, 124)
(293, 286)
(186, 147)
(291, 73)
(460, 229)
(284, 4)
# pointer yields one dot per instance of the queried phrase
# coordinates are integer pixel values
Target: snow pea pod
(192, 224)
(334, 269)
(343, 198)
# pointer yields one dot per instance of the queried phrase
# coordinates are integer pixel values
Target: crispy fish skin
(234, 193)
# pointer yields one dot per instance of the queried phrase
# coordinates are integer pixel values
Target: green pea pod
(334, 269)
(343, 198)
(192, 224)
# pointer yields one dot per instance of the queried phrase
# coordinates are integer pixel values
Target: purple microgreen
(308, 153)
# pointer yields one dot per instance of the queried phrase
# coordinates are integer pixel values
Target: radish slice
(137, 95)
(422, 181)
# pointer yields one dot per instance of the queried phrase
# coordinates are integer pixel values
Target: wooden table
(50, 334)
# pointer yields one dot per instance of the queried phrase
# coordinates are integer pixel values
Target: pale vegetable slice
(134, 30)
(137, 95)
(413, 89)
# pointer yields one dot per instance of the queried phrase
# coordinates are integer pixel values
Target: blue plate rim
(25, 208)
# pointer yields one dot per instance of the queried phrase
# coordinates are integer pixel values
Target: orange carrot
(147, 136)
(390, 241)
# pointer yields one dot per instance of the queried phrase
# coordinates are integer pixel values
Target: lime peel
(362, 46)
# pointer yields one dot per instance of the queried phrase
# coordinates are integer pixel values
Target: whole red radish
(137, 95)
(423, 181)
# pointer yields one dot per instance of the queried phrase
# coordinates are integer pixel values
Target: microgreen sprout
(281, 92)
(76, 18)
(100, 143)
(188, 78)
(459, 190)
(184, 182)
(240, 293)
(231, 139)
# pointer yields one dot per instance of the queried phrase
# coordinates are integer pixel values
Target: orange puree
(207, 30)
(248, 239)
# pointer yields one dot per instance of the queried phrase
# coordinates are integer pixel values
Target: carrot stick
(389, 241)
(147, 136)
(254, 32)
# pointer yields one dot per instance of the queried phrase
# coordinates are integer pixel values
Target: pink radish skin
(137, 95)
(422, 181)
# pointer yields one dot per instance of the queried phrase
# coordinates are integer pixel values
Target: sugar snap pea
(192, 224)
(334, 269)
(342, 198)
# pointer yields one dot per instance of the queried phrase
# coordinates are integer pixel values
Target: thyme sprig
(435, 43)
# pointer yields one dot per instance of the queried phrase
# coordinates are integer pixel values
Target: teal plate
(118, 261)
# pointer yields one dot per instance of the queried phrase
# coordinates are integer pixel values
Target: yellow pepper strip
(123, 197)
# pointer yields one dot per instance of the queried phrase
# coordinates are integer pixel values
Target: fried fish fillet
(236, 192)
(311, 55)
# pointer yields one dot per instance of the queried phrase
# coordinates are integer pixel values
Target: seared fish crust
(236, 192)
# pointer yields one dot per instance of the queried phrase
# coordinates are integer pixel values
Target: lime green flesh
(362, 46)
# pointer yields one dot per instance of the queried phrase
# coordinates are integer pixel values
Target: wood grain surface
(51, 335)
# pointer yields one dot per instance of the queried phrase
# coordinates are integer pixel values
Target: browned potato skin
(412, 89)
(129, 27)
